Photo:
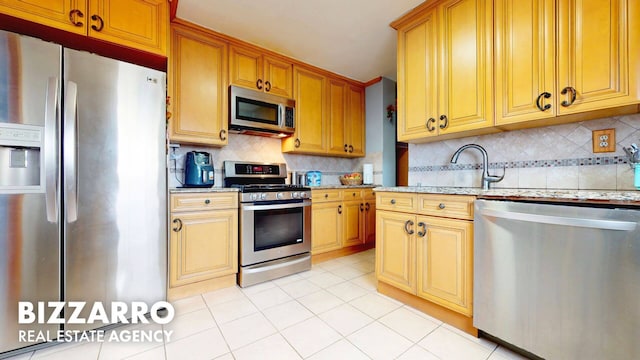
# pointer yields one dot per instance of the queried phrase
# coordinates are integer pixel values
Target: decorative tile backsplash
(553, 157)
(264, 149)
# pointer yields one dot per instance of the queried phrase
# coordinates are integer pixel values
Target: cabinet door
(598, 46)
(418, 78)
(525, 60)
(355, 124)
(445, 263)
(205, 247)
(326, 227)
(198, 84)
(337, 138)
(140, 24)
(278, 76)
(245, 68)
(353, 222)
(310, 95)
(395, 250)
(55, 13)
(370, 220)
(465, 73)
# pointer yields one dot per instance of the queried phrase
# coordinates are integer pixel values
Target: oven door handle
(276, 206)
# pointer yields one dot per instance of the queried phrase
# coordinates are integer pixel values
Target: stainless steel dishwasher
(559, 281)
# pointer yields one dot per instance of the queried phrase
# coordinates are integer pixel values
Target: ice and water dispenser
(20, 158)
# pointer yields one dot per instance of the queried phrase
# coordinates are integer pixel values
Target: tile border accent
(600, 160)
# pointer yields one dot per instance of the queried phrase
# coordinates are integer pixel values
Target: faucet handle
(497, 178)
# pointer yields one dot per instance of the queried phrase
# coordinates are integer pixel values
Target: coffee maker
(198, 169)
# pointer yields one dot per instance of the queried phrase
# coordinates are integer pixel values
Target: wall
(554, 157)
(381, 132)
(264, 149)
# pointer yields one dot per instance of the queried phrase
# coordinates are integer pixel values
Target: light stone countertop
(338, 186)
(201, 190)
(627, 197)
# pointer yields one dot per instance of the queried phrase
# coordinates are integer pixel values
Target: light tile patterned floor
(330, 312)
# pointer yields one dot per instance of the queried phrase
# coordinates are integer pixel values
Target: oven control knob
(304, 195)
(254, 197)
(263, 196)
(280, 196)
(295, 195)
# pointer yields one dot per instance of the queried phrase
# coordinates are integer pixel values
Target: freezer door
(114, 181)
(29, 228)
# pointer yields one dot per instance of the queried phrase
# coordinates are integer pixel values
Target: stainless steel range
(275, 222)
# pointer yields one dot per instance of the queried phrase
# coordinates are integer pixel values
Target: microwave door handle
(281, 110)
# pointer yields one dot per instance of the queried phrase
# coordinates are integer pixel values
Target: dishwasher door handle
(559, 220)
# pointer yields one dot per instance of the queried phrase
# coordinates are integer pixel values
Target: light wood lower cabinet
(203, 242)
(326, 227)
(444, 263)
(427, 256)
(395, 250)
(341, 219)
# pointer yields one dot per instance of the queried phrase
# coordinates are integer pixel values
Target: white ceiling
(348, 37)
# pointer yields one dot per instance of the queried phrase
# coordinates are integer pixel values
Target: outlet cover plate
(604, 140)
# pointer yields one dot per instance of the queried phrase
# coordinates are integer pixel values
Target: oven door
(274, 230)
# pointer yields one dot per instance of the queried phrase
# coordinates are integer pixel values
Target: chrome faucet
(486, 178)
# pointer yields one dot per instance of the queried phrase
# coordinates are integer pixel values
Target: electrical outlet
(604, 140)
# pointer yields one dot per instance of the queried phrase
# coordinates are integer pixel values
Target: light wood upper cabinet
(598, 54)
(525, 60)
(139, 24)
(252, 69)
(337, 143)
(445, 62)
(311, 116)
(59, 14)
(596, 41)
(334, 109)
(198, 87)
(355, 124)
(444, 263)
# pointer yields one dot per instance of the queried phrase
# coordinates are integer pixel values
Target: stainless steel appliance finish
(92, 225)
(257, 113)
(560, 281)
(275, 222)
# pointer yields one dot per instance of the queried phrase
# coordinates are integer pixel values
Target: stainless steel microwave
(257, 113)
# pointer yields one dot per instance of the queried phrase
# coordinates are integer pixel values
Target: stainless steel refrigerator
(82, 180)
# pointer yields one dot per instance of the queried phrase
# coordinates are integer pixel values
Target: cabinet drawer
(452, 206)
(204, 201)
(407, 202)
(352, 194)
(320, 196)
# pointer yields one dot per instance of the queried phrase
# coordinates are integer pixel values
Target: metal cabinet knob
(393, 201)
(207, 202)
(441, 206)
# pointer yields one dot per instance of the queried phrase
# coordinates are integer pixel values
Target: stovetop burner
(263, 182)
(251, 188)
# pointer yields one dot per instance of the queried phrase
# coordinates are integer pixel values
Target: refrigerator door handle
(51, 150)
(71, 151)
